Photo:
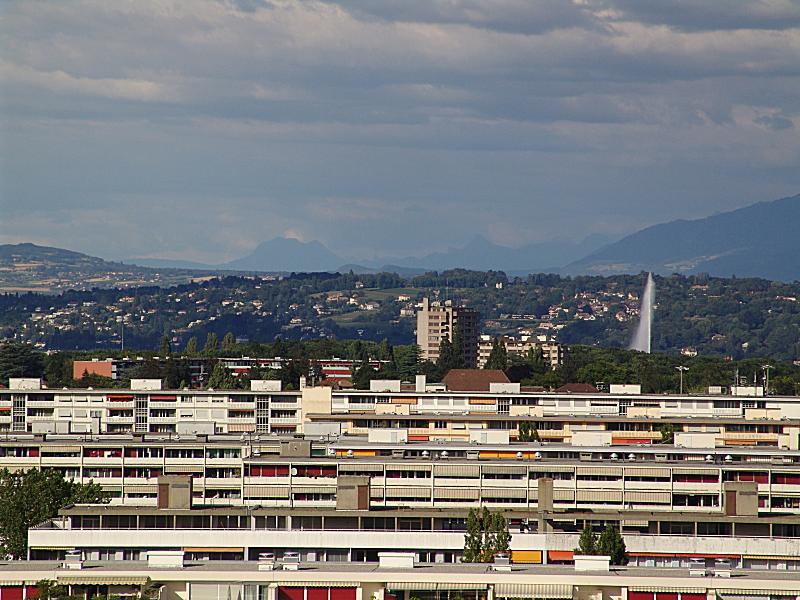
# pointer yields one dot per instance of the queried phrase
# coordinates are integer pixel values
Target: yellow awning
(553, 591)
(434, 585)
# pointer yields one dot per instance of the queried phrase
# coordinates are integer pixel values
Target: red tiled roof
(473, 380)
(577, 388)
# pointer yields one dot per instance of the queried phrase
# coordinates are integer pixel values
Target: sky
(197, 129)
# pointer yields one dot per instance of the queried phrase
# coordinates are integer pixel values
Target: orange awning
(560, 555)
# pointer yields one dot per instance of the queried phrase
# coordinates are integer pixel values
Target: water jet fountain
(642, 338)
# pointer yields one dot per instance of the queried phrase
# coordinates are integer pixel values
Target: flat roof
(409, 393)
(753, 581)
(513, 512)
(590, 418)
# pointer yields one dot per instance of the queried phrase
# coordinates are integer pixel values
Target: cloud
(774, 122)
(388, 127)
(707, 15)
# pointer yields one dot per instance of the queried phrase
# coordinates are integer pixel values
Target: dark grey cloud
(387, 127)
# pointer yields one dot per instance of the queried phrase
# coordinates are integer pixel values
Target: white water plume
(642, 338)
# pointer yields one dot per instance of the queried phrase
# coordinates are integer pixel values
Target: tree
(58, 369)
(486, 535)
(536, 361)
(612, 544)
(487, 549)
(19, 360)
(211, 346)
(191, 347)
(48, 588)
(93, 380)
(451, 355)
(473, 540)
(502, 538)
(385, 350)
(667, 431)
(30, 497)
(229, 345)
(528, 432)
(498, 358)
(221, 378)
(363, 375)
(164, 349)
(587, 544)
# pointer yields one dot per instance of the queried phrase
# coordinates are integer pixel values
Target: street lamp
(681, 369)
(766, 369)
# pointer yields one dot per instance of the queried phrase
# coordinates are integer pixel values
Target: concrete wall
(314, 400)
(265, 385)
(144, 385)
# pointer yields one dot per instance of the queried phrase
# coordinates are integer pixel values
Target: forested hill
(739, 318)
(757, 240)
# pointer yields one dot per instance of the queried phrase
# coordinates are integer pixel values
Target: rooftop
(473, 380)
(741, 581)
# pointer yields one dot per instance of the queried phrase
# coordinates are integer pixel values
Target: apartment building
(246, 470)
(347, 499)
(426, 413)
(27, 406)
(552, 353)
(437, 321)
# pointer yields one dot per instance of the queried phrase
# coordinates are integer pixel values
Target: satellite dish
(294, 472)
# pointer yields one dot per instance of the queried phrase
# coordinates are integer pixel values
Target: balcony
(223, 483)
(284, 405)
(162, 404)
(119, 419)
(172, 419)
(236, 402)
(122, 404)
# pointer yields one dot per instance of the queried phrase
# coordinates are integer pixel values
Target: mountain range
(287, 254)
(760, 240)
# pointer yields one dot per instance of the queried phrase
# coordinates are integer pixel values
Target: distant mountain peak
(287, 254)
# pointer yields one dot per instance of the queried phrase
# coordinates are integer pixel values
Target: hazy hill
(22, 254)
(482, 255)
(29, 267)
(761, 240)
